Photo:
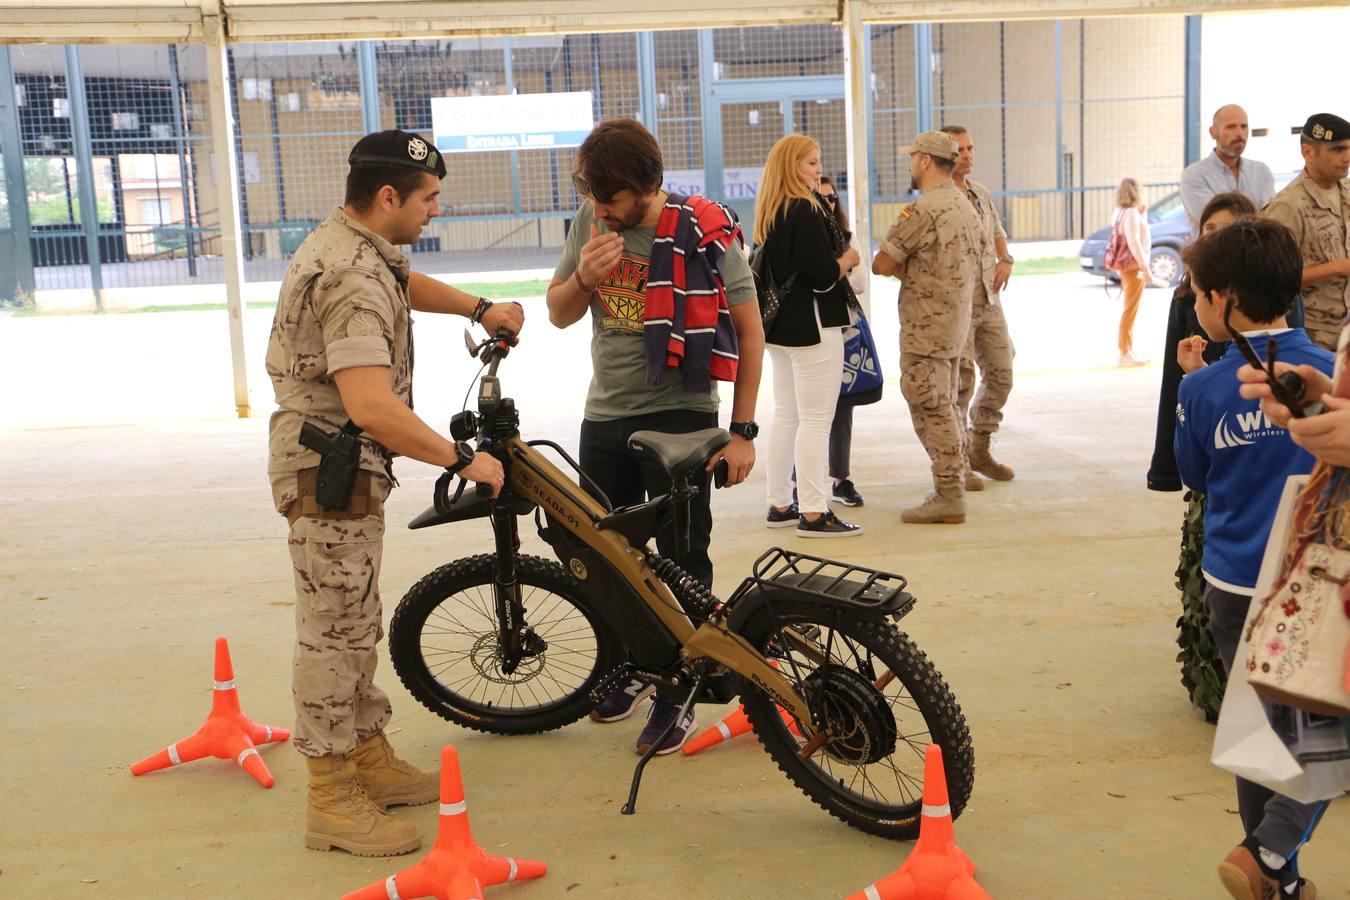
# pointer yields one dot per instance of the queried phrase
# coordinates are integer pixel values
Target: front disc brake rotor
(854, 713)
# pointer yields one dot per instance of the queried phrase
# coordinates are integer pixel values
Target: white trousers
(806, 384)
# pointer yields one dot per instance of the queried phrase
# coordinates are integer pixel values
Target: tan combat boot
(945, 506)
(973, 482)
(341, 815)
(389, 781)
(981, 461)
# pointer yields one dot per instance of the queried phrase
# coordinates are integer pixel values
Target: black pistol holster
(339, 461)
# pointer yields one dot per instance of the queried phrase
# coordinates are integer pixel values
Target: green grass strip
(493, 290)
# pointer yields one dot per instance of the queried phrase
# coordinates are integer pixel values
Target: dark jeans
(1280, 824)
(627, 478)
(841, 440)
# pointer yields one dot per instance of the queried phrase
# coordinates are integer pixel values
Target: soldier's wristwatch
(466, 454)
(747, 430)
(1006, 258)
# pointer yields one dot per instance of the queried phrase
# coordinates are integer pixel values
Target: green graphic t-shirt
(619, 387)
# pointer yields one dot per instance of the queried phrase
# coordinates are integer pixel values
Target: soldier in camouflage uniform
(340, 351)
(1315, 206)
(935, 247)
(989, 344)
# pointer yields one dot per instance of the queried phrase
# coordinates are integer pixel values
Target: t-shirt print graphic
(623, 296)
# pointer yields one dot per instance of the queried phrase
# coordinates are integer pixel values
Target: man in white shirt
(1225, 170)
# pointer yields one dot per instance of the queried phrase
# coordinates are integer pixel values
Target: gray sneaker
(620, 704)
(663, 711)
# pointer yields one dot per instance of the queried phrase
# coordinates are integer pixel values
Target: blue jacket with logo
(1228, 449)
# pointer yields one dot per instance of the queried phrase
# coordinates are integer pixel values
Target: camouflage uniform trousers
(338, 623)
(929, 385)
(990, 347)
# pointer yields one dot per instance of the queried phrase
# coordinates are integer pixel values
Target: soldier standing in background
(989, 345)
(1315, 206)
(340, 359)
(935, 247)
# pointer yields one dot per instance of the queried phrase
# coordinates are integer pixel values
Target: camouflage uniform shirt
(1323, 234)
(939, 240)
(344, 303)
(979, 197)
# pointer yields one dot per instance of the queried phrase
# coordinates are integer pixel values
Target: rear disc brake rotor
(856, 715)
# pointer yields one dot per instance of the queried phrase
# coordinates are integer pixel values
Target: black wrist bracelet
(480, 310)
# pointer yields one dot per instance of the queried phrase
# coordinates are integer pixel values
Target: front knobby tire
(443, 643)
(882, 796)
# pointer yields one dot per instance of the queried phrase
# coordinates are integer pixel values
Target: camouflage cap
(402, 149)
(934, 143)
(1324, 128)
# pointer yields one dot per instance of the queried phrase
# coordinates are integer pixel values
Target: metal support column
(646, 64)
(370, 86)
(1192, 102)
(712, 117)
(84, 161)
(180, 144)
(1059, 104)
(515, 154)
(15, 185)
(857, 122)
(220, 102)
(923, 77)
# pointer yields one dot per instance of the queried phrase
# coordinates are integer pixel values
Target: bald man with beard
(1225, 170)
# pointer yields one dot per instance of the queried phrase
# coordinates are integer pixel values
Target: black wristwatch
(747, 430)
(466, 454)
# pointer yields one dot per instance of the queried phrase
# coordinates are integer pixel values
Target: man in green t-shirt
(604, 269)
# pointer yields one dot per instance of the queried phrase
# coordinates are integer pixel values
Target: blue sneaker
(663, 712)
(620, 704)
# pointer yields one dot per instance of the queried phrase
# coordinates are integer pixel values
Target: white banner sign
(511, 121)
(741, 184)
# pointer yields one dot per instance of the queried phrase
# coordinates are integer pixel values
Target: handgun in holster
(339, 461)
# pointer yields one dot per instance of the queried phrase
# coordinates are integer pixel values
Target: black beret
(403, 149)
(1326, 128)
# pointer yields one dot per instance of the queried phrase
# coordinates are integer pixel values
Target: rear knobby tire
(883, 797)
(442, 642)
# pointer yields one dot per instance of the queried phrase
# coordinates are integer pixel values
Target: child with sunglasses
(1245, 278)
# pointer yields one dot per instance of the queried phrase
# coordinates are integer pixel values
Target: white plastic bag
(1245, 743)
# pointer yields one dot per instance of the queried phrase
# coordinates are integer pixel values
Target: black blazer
(799, 242)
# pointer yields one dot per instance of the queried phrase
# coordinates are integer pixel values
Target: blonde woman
(1131, 225)
(806, 340)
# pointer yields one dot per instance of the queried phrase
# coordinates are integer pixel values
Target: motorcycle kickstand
(630, 807)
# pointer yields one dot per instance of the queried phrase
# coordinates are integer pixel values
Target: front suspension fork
(511, 630)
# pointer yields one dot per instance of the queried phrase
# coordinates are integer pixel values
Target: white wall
(1280, 67)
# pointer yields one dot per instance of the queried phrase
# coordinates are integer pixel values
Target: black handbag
(839, 242)
(772, 294)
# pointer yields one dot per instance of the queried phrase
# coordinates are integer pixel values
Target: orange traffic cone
(456, 868)
(937, 869)
(226, 734)
(734, 725)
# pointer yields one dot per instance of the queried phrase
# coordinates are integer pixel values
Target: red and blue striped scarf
(688, 322)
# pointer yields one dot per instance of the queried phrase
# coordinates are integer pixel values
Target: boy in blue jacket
(1245, 276)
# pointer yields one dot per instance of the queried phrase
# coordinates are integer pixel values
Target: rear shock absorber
(697, 598)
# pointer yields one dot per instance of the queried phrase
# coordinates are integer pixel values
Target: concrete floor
(130, 547)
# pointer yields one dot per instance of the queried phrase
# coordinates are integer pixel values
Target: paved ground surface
(137, 529)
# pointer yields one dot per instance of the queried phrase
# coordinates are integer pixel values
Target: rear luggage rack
(827, 579)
